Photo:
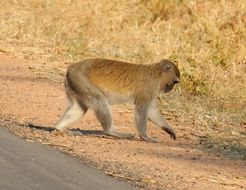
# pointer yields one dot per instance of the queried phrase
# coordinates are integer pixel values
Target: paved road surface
(32, 166)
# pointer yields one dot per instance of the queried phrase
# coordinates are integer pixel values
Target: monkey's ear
(167, 67)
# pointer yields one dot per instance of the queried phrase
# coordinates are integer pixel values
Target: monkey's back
(117, 78)
(108, 73)
(114, 75)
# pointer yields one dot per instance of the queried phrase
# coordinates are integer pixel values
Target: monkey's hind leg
(103, 114)
(72, 114)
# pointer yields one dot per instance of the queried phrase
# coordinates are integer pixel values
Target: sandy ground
(36, 102)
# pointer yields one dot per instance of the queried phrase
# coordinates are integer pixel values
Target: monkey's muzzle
(168, 87)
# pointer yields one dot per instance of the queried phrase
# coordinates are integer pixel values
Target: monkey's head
(170, 75)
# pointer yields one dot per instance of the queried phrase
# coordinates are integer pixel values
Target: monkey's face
(170, 76)
(168, 87)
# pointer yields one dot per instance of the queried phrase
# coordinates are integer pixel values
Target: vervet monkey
(99, 83)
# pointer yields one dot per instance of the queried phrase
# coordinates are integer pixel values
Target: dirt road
(36, 103)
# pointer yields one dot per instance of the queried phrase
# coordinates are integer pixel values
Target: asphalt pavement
(33, 166)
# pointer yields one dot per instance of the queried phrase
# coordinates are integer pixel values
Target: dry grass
(206, 38)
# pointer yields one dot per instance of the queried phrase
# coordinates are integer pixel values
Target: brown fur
(96, 83)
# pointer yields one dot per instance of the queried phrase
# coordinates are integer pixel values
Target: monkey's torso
(120, 82)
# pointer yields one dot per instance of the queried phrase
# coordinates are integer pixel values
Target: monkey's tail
(68, 83)
(74, 93)
(68, 80)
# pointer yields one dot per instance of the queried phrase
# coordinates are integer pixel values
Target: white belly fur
(115, 99)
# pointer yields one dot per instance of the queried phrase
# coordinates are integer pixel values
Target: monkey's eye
(175, 82)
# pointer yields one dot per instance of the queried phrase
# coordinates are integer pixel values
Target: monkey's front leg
(141, 120)
(155, 117)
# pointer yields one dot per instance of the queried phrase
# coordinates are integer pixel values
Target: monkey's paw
(57, 133)
(120, 135)
(149, 139)
(170, 132)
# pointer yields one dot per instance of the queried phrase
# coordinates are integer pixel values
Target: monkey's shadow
(78, 131)
(75, 131)
(41, 128)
